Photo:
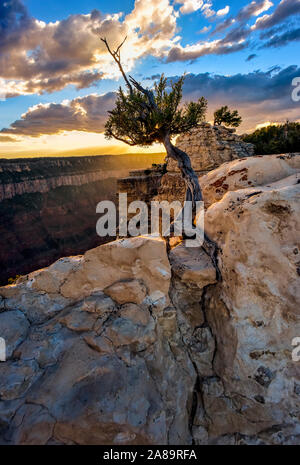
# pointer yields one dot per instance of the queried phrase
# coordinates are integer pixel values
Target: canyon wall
(25, 176)
(48, 206)
(141, 184)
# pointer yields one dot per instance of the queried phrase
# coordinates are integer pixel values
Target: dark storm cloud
(81, 114)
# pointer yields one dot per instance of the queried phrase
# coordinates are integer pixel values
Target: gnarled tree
(143, 116)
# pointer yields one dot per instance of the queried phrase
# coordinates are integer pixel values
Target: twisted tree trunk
(193, 191)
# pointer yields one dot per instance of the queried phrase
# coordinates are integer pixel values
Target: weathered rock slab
(192, 265)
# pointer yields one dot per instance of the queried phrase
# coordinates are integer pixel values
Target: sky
(57, 81)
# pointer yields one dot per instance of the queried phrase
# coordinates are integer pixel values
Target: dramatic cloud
(252, 9)
(36, 56)
(234, 41)
(237, 35)
(14, 21)
(271, 32)
(285, 9)
(257, 95)
(254, 87)
(190, 6)
(224, 25)
(191, 52)
(267, 23)
(86, 114)
(155, 22)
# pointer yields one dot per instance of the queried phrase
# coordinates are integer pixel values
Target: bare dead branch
(119, 47)
(116, 54)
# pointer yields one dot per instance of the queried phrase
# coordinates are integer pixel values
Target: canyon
(48, 206)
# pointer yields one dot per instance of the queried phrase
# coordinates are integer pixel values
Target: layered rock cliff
(142, 184)
(25, 176)
(48, 206)
(209, 146)
(132, 344)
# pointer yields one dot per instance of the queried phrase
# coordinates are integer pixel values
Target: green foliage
(134, 122)
(227, 117)
(282, 138)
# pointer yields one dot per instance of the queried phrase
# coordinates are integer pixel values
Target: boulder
(140, 266)
(254, 312)
(109, 367)
(127, 291)
(239, 332)
(139, 257)
(192, 265)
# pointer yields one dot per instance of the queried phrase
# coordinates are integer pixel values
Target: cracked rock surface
(130, 345)
(94, 354)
